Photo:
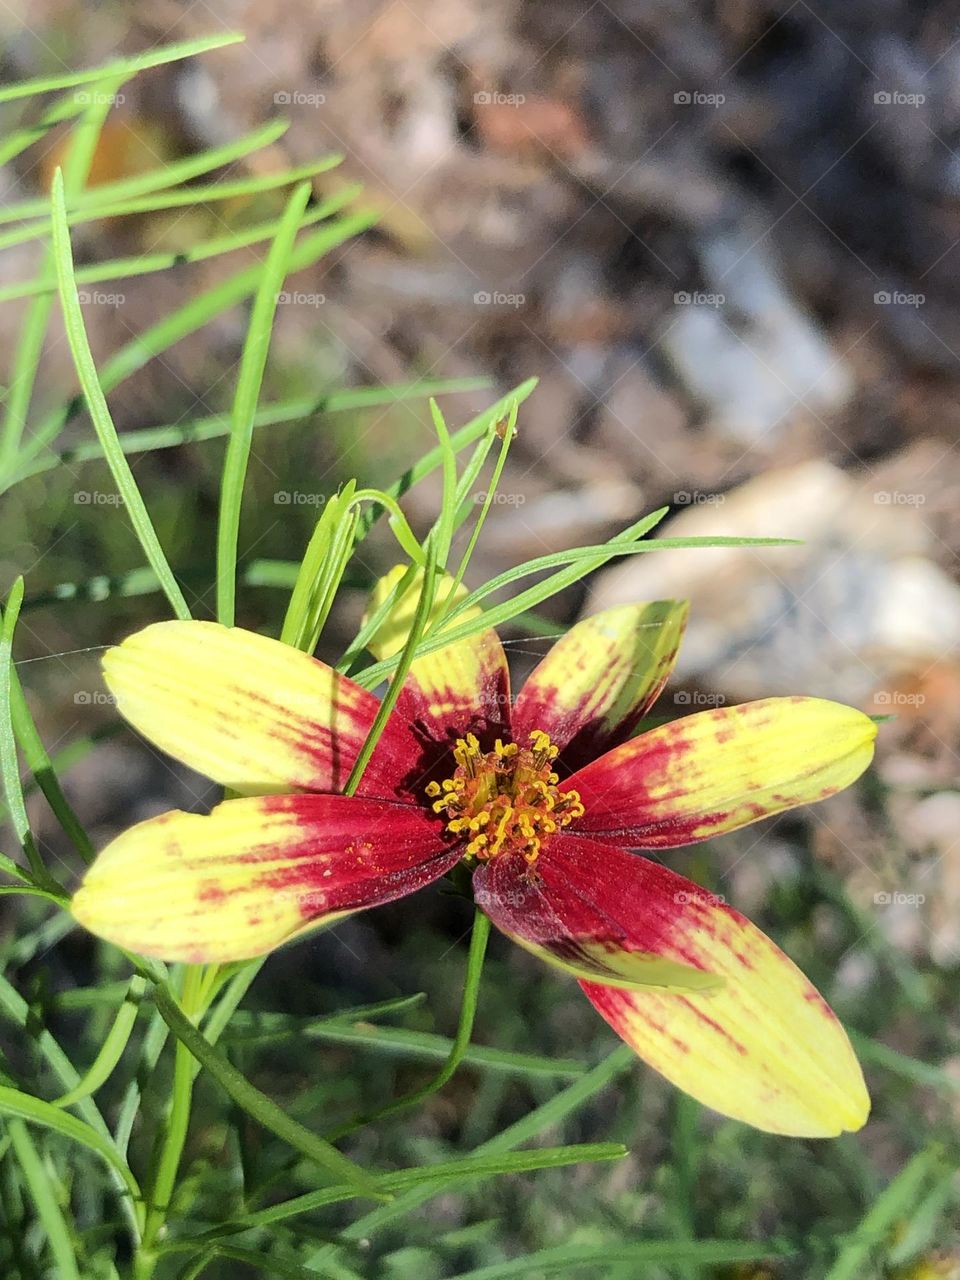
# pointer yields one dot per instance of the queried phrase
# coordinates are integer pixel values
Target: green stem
(175, 1135)
(461, 1041)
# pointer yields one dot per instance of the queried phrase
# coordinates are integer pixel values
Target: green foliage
(202, 1135)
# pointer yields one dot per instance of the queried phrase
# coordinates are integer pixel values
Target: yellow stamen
(507, 798)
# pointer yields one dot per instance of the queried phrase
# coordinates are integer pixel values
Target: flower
(539, 795)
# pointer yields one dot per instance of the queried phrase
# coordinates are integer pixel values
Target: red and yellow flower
(540, 796)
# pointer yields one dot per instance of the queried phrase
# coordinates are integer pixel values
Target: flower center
(506, 799)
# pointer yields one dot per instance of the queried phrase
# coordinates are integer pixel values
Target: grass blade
(112, 1048)
(45, 1199)
(97, 405)
(263, 1109)
(249, 380)
(122, 68)
(34, 1111)
(544, 1117)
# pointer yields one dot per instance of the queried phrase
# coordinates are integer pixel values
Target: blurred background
(726, 238)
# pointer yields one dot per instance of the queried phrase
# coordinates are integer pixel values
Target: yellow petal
(459, 689)
(247, 711)
(597, 681)
(254, 873)
(391, 635)
(719, 770)
(760, 1044)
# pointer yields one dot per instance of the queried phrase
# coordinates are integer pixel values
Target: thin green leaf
(479, 426)
(544, 1117)
(9, 764)
(129, 195)
(461, 1041)
(646, 1253)
(123, 67)
(403, 662)
(97, 405)
(438, 1176)
(142, 264)
(253, 362)
(45, 1200)
(26, 360)
(111, 1051)
(174, 434)
(22, 1105)
(895, 1204)
(261, 1108)
(193, 315)
(16, 1010)
(423, 1045)
(44, 774)
(580, 561)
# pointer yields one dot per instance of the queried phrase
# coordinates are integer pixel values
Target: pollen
(505, 800)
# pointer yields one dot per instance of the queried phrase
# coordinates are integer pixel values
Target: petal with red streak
(596, 683)
(719, 770)
(763, 1048)
(448, 693)
(569, 921)
(255, 873)
(247, 711)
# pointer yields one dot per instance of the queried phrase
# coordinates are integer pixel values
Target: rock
(857, 606)
(745, 351)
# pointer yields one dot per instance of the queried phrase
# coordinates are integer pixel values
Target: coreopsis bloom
(541, 796)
